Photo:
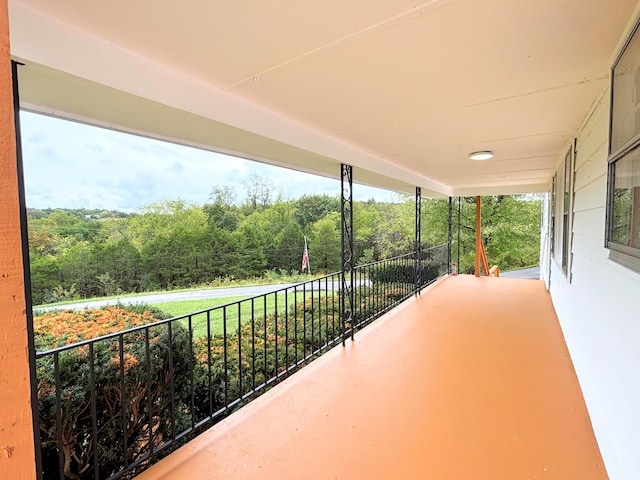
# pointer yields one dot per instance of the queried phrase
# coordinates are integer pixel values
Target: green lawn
(234, 314)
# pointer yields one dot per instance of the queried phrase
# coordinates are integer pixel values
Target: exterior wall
(598, 307)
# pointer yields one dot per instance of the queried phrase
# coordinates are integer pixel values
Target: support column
(450, 236)
(17, 449)
(458, 243)
(418, 242)
(347, 290)
(478, 233)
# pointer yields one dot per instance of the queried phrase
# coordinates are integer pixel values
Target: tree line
(172, 244)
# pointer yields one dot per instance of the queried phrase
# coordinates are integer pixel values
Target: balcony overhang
(402, 92)
(471, 380)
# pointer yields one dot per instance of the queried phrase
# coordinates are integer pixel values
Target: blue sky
(71, 165)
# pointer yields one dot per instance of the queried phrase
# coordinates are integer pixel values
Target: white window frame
(561, 221)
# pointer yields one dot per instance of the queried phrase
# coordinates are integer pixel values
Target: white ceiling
(402, 91)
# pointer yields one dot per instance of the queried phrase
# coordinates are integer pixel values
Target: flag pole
(305, 258)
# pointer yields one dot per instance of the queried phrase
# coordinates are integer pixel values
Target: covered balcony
(470, 380)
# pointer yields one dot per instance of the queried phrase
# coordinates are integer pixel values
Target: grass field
(234, 314)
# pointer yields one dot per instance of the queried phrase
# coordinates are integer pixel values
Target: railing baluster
(286, 329)
(58, 386)
(326, 310)
(125, 440)
(94, 413)
(313, 345)
(333, 325)
(172, 387)
(192, 386)
(209, 361)
(240, 391)
(253, 345)
(295, 327)
(304, 320)
(224, 351)
(264, 317)
(275, 329)
(147, 356)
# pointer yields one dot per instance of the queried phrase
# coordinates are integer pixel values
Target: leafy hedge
(143, 409)
(147, 419)
(397, 273)
(260, 351)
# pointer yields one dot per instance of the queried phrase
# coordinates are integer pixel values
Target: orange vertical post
(17, 450)
(478, 233)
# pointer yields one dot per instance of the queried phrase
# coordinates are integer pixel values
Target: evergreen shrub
(117, 374)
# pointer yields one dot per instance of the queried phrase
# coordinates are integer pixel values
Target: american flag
(305, 257)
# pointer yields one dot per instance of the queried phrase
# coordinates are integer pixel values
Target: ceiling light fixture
(483, 155)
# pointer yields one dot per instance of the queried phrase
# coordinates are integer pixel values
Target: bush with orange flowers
(121, 380)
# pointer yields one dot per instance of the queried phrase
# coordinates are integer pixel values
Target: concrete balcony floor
(471, 381)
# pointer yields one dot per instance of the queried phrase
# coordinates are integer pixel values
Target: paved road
(532, 273)
(190, 295)
(174, 297)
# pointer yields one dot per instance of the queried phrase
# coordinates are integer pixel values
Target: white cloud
(71, 165)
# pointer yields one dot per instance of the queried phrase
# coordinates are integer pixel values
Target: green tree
(171, 236)
(120, 266)
(79, 269)
(282, 237)
(510, 231)
(365, 219)
(223, 259)
(252, 261)
(45, 277)
(395, 235)
(325, 244)
(308, 209)
(259, 192)
(221, 209)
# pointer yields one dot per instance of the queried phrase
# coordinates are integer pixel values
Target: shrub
(395, 273)
(118, 372)
(262, 349)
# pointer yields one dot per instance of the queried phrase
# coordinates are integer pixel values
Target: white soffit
(402, 91)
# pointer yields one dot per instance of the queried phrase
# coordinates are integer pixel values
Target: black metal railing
(383, 285)
(111, 405)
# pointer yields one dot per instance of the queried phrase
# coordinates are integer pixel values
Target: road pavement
(173, 297)
(153, 298)
(532, 273)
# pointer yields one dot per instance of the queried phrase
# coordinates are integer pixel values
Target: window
(623, 196)
(561, 211)
(625, 208)
(552, 222)
(567, 206)
(561, 216)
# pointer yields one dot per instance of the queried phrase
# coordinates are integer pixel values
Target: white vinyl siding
(599, 310)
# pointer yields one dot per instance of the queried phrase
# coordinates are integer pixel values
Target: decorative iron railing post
(459, 203)
(417, 263)
(346, 293)
(450, 237)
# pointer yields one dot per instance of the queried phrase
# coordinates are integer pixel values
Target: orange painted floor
(472, 381)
